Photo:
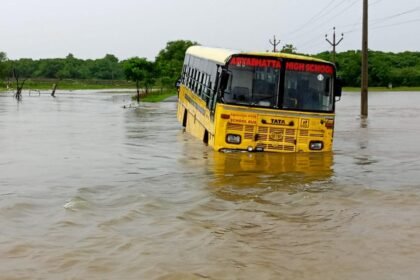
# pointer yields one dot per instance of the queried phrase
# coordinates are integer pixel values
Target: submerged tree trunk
(138, 91)
(19, 88)
(19, 85)
(53, 90)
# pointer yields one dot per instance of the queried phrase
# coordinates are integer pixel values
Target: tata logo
(276, 136)
(278, 122)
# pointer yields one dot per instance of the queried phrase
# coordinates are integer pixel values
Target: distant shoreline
(155, 95)
(129, 89)
(384, 89)
(159, 95)
(117, 85)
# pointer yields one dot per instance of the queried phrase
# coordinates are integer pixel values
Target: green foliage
(169, 61)
(3, 65)
(24, 67)
(3, 56)
(107, 68)
(139, 70)
(162, 73)
(398, 69)
(288, 48)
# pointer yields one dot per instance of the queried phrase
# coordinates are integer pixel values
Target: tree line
(163, 72)
(385, 69)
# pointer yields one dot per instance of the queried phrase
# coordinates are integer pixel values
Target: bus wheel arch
(206, 137)
(184, 120)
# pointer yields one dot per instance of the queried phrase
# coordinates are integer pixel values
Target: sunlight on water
(91, 188)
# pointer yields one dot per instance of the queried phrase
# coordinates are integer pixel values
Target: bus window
(308, 90)
(254, 82)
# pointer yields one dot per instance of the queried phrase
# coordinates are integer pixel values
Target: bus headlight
(316, 145)
(259, 149)
(233, 139)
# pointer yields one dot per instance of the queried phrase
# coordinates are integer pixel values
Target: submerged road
(89, 190)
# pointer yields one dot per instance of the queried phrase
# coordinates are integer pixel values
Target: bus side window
(185, 76)
(202, 89)
(205, 88)
(212, 97)
(197, 77)
(199, 83)
(187, 79)
(190, 76)
(194, 77)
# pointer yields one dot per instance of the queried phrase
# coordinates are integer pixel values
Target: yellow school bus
(274, 102)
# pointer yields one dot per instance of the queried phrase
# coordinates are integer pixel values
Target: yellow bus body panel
(271, 130)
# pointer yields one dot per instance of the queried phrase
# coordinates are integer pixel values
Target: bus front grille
(271, 147)
(268, 137)
(277, 139)
(235, 127)
(246, 130)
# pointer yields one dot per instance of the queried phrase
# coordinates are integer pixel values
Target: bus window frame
(333, 76)
(200, 77)
(278, 97)
(281, 82)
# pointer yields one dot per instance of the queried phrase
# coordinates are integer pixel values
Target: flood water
(92, 190)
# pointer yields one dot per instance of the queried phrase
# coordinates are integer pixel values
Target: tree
(73, 68)
(106, 68)
(288, 48)
(49, 68)
(3, 65)
(379, 69)
(141, 71)
(22, 70)
(169, 61)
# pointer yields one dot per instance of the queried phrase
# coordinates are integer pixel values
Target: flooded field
(92, 190)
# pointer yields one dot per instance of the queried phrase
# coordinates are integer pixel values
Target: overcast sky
(127, 28)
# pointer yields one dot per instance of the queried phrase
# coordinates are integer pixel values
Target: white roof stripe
(215, 54)
(222, 56)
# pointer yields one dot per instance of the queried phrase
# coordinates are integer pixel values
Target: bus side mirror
(338, 88)
(224, 79)
(178, 83)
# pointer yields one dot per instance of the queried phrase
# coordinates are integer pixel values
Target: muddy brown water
(92, 190)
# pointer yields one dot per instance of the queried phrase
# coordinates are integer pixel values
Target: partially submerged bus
(274, 102)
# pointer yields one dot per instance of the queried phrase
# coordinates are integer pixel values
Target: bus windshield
(308, 87)
(253, 82)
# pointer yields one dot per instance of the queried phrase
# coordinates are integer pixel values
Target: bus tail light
(233, 139)
(316, 145)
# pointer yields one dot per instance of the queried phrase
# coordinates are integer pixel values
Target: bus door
(217, 89)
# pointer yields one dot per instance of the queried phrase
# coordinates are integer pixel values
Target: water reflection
(364, 122)
(250, 175)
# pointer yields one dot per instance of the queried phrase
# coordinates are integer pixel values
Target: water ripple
(91, 190)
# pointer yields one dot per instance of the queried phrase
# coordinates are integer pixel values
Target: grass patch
(157, 95)
(47, 84)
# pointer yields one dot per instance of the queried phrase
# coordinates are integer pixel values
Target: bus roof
(222, 56)
(215, 54)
